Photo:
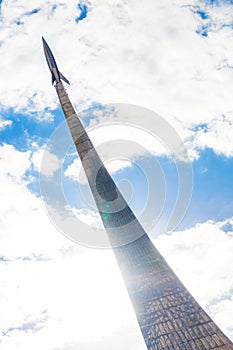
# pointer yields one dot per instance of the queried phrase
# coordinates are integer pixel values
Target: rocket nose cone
(44, 43)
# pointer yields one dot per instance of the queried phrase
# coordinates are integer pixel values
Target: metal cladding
(168, 316)
(56, 75)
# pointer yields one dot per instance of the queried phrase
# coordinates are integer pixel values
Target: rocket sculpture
(168, 316)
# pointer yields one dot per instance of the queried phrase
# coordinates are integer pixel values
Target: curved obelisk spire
(168, 315)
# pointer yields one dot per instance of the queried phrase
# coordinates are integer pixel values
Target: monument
(168, 316)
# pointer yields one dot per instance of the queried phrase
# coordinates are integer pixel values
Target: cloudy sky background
(172, 57)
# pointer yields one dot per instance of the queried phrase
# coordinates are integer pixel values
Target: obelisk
(168, 316)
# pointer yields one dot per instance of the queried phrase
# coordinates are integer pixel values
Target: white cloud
(23, 221)
(48, 117)
(50, 162)
(13, 162)
(217, 135)
(117, 165)
(75, 170)
(217, 15)
(4, 123)
(24, 225)
(125, 339)
(122, 52)
(202, 256)
(90, 217)
(54, 292)
(62, 286)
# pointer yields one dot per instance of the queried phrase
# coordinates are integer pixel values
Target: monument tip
(56, 75)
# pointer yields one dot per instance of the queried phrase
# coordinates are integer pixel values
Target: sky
(167, 68)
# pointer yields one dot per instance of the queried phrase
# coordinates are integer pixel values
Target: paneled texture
(168, 315)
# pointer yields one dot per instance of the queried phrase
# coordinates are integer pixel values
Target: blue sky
(212, 188)
(115, 52)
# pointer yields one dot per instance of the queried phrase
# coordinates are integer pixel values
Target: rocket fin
(63, 78)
